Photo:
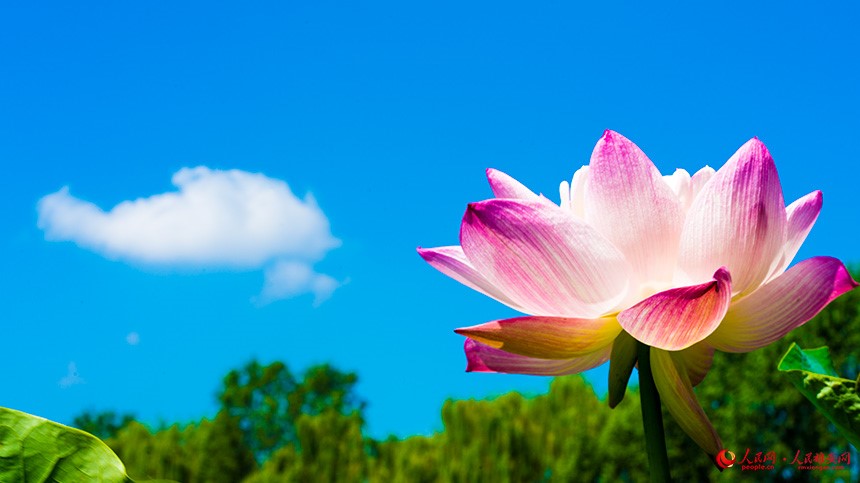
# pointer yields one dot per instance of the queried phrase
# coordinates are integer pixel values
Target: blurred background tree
(103, 424)
(259, 398)
(267, 401)
(330, 447)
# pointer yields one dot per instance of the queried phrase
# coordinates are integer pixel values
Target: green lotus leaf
(35, 450)
(811, 371)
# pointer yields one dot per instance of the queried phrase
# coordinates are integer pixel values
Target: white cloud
(289, 278)
(72, 378)
(218, 219)
(222, 218)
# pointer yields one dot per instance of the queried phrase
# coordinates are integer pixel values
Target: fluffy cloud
(287, 279)
(221, 219)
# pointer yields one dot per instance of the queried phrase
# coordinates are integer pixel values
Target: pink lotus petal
(453, 262)
(564, 195)
(696, 360)
(483, 358)
(505, 186)
(738, 221)
(681, 185)
(782, 305)
(678, 318)
(546, 337)
(543, 259)
(630, 204)
(699, 180)
(577, 192)
(801, 217)
(676, 393)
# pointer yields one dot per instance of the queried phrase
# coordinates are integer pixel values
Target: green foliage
(324, 389)
(330, 447)
(220, 454)
(812, 373)
(268, 400)
(482, 442)
(565, 435)
(259, 397)
(208, 451)
(416, 459)
(552, 437)
(102, 425)
(33, 449)
(148, 455)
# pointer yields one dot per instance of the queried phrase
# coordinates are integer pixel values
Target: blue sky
(388, 114)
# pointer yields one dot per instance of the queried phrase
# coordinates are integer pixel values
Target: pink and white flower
(685, 264)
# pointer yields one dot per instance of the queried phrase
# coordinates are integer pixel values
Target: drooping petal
(630, 204)
(621, 364)
(738, 220)
(678, 318)
(543, 259)
(483, 358)
(545, 337)
(505, 186)
(696, 360)
(782, 305)
(676, 393)
(801, 216)
(453, 262)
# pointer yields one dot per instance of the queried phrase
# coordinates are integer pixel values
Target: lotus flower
(685, 264)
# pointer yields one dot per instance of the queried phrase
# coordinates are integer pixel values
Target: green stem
(652, 419)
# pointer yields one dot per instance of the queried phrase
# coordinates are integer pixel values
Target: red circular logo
(725, 459)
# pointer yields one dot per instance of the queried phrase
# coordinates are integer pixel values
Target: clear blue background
(388, 113)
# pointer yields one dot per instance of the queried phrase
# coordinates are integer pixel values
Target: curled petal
(696, 360)
(483, 358)
(801, 216)
(676, 393)
(782, 305)
(546, 337)
(505, 186)
(678, 318)
(543, 259)
(629, 202)
(453, 262)
(738, 220)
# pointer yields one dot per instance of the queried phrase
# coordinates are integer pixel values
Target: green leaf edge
(14, 414)
(835, 397)
(815, 360)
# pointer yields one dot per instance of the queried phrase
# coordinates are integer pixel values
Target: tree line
(275, 426)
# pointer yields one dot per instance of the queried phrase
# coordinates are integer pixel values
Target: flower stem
(652, 418)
